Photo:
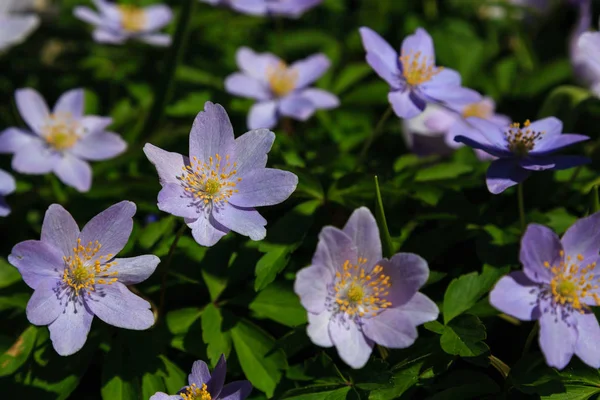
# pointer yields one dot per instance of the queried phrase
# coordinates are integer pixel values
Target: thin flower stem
(532, 335)
(374, 134)
(500, 366)
(521, 206)
(165, 272)
(509, 319)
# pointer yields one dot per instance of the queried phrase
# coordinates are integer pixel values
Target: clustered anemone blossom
(204, 386)
(355, 298)
(285, 8)
(559, 282)
(413, 77)
(520, 149)
(117, 23)
(75, 275)
(280, 90)
(7, 186)
(61, 141)
(224, 178)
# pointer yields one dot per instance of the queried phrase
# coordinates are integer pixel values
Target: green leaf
(251, 346)
(466, 385)
(118, 381)
(270, 265)
(562, 102)
(442, 171)
(189, 106)
(156, 230)
(388, 244)
(463, 292)
(180, 321)
(574, 392)
(218, 342)
(319, 392)
(531, 375)
(464, 337)
(350, 75)
(8, 274)
(280, 304)
(402, 380)
(19, 352)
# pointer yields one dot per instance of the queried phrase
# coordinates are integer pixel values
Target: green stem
(165, 269)
(388, 245)
(165, 83)
(374, 134)
(521, 206)
(532, 335)
(500, 366)
(595, 200)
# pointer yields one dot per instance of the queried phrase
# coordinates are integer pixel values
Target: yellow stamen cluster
(133, 19)
(359, 293)
(193, 392)
(210, 182)
(281, 78)
(571, 283)
(81, 273)
(522, 140)
(481, 109)
(418, 70)
(60, 131)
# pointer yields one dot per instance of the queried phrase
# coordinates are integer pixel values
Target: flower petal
(94, 124)
(88, 15)
(254, 64)
(12, 139)
(245, 221)
(157, 16)
(217, 379)
(443, 87)
(516, 295)
(206, 231)
(492, 133)
(557, 339)
(36, 261)
(311, 286)
(321, 99)
(133, 270)
(7, 183)
(15, 28)
(173, 199)
(237, 390)
(99, 146)
(419, 42)
(45, 306)
(583, 237)
(390, 329)
(362, 229)
(117, 306)
(380, 55)
(71, 102)
(318, 328)
(32, 107)
(263, 115)
(74, 172)
(351, 344)
(407, 272)
(59, 229)
(503, 174)
(251, 7)
(69, 331)
(419, 309)
(557, 142)
(103, 35)
(35, 158)
(406, 104)
(588, 332)
(211, 133)
(245, 86)
(481, 144)
(310, 69)
(539, 245)
(297, 107)
(200, 373)
(111, 228)
(156, 39)
(251, 150)
(333, 249)
(264, 187)
(168, 165)
(164, 396)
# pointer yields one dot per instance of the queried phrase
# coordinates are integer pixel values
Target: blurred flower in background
(281, 90)
(7, 186)
(117, 23)
(15, 22)
(514, 9)
(584, 48)
(61, 141)
(285, 8)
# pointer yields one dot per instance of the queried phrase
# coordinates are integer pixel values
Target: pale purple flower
(285, 8)
(61, 141)
(117, 23)
(520, 149)
(15, 26)
(75, 275)
(413, 76)
(280, 90)
(224, 178)
(586, 60)
(203, 385)
(557, 286)
(355, 299)
(7, 186)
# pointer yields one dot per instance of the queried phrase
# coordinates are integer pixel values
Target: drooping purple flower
(15, 27)
(7, 186)
(557, 286)
(413, 76)
(279, 90)
(75, 275)
(204, 386)
(355, 298)
(61, 141)
(117, 23)
(285, 8)
(520, 149)
(218, 187)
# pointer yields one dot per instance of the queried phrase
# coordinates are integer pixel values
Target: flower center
(193, 392)
(133, 19)
(281, 78)
(60, 131)
(481, 109)
(571, 284)
(82, 274)
(418, 70)
(358, 293)
(211, 182)
(522, 140)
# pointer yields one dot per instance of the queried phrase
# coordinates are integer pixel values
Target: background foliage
(236, 298)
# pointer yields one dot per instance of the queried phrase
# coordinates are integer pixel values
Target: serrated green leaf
(464, 336)
(218, 342)
(280, 304)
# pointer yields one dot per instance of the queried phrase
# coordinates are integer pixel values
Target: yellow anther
(359, 292)
(210, 182)
(572, 284)
(193, 392)
(83, 269)
(418, 69)
(522, 140)
(60, 131)
(133, 19)
(482, 109)
(282, 79)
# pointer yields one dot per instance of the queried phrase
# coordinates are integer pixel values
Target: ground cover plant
(299, 199)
